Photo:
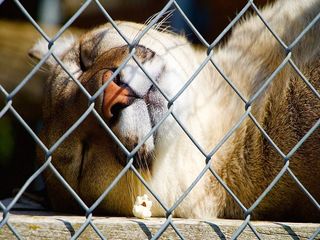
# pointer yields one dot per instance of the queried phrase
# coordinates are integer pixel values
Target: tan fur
(89, 159)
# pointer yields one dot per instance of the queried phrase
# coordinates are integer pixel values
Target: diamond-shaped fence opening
(131, 154)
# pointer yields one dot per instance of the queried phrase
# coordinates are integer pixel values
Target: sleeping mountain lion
(169, 160)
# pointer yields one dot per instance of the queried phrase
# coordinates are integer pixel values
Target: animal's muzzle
(116, 96)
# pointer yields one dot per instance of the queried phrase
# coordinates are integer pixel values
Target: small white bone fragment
(142, 207)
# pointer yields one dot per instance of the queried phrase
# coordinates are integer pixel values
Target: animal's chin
(132, 127)
(142, 159)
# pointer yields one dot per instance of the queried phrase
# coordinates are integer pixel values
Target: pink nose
(115, 97)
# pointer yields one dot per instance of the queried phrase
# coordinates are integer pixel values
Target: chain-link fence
(130, 155)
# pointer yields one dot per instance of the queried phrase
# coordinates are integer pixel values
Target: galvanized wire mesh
(130, 154)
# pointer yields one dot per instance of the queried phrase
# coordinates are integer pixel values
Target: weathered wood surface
(51, 226)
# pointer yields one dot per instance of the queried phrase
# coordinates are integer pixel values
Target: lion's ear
(60, 47)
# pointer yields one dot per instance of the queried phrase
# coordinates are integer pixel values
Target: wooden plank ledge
(44, 225)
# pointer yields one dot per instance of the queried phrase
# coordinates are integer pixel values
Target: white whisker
(164, 20)
(161, 26)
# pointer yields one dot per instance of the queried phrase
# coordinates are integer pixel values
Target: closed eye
(82, 67)
(81, 64)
